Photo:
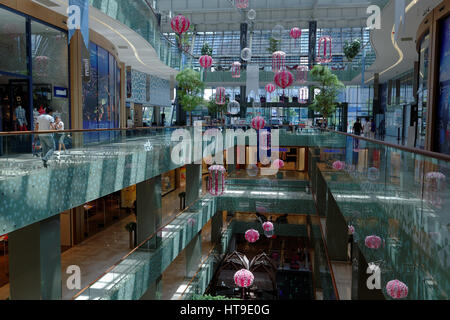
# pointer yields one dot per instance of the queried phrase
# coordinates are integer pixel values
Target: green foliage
(210, 297)
(273, 45)
(183, 42)
(351, 49)
(190, 90)
(206, 50)
(215, 108)
(330, 86)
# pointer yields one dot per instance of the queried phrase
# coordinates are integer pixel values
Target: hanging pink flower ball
(258, 123)
(216, 180)
(373, 242)
(252, 235)
(338, 165)
(397, 289)
(244, 278)
(283, 79)
(191, 222)
(205, 61)
(351, 229)
(295, 33)
(278, 163)
(180, 24)
(270, 87)
(268, 226)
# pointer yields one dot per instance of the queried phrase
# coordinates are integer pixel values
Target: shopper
(373, 129)
(357, 127)
(367, 128)
(59, 126)
(46, 122)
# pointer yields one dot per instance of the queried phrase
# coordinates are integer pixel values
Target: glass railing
(132, 276)
(315, 266)
(399, 195)
(139, 16)
(93, 164)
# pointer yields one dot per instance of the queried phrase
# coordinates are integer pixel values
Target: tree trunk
(190, 118)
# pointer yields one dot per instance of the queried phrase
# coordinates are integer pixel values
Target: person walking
(46, 122)
(373, 129)
(59, 126)
(357, 127)
(367, 128)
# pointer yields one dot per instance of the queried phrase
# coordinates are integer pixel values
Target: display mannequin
(21, 118)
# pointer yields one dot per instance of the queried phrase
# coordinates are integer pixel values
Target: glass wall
(101, 99)
(13, 43)
(50, 58)
(423, 90)
(34, 71)
(442, 131)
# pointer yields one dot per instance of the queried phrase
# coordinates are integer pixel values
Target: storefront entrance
(14, 104)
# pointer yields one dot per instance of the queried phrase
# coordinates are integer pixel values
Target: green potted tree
(274, 45)
(215, 108)
(351, 49)
(190, 90)
(329, 86)
(206, 50)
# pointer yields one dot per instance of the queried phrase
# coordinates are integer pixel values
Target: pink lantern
(252, 235)
(283, 79)
(258, 123)
(278, 163)
(270, 87)
(216, 180)
(325, 53)
(244, 278)
(236, 70)
(180, 24)
(351, 229)
(295, 33)
(241, 4)
(278, 61)
(338, 165)
(268, 226)
(434, 184)
(191, 222)
(303, 95)
(373, 174)
(220, 95)
(206, 61)
(373, 242)
(301, 74)
(397, 289)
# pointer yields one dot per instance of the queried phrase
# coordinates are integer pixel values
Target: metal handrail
(431, 154)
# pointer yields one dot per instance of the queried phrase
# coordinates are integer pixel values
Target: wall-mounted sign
(60, 92)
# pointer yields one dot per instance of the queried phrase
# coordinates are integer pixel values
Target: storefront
(433, 77)
(34, 70)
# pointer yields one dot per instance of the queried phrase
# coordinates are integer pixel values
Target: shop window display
(423, 90)
(442, 131)
(50, 70)
(101, 101)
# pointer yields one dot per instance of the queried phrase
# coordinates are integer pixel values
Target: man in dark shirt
(357, 127)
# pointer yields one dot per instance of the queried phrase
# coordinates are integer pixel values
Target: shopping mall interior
(230, 149)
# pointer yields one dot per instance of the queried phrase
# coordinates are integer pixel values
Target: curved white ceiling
(395, 58)
(132, 48)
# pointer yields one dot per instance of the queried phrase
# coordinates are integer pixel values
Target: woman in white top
(367, 128)
(59, 126)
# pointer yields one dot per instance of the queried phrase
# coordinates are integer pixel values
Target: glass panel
(13, 44)
(50, 71)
